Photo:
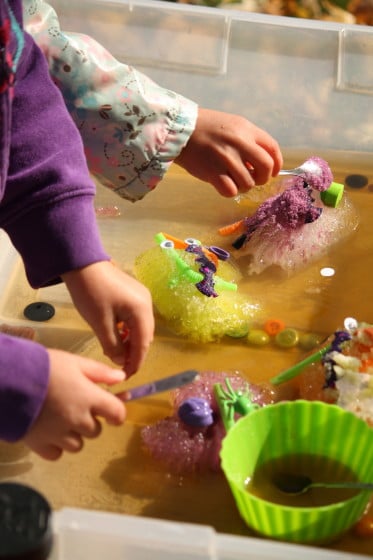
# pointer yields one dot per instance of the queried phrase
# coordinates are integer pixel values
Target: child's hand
(223, 147)
(72, 405)
(105, 296)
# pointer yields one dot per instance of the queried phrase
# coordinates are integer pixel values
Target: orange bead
(364, 527)
(274, 326)
(123, 331)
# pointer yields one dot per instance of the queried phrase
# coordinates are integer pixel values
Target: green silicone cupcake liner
(299, 427)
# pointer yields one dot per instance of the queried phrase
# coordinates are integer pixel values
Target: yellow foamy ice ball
(187, 311)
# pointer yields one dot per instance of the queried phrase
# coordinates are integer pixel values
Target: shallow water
(282, 479)
(113, 473)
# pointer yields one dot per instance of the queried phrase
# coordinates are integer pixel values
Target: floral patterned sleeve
(132, 129)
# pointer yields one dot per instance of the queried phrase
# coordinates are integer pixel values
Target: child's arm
(48, 212)
(74, 405)
(133, 129)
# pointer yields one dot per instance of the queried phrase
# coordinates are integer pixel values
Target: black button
(39, 311)
(356, 181)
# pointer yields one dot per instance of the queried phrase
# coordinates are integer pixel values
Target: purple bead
(222, 254)
(196, 412)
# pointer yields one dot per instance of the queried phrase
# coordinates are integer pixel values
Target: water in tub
(113, 473)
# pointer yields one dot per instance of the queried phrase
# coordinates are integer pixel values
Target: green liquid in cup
(317, 468)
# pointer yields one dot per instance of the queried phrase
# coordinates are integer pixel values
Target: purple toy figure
(295, 227)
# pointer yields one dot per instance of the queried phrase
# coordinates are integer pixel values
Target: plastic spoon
(299, 171)
(298, 484)
(158, 386)
(312, 166)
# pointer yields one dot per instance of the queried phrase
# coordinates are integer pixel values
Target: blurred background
(345, 11)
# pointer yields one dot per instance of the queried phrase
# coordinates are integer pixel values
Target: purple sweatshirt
(46, 204)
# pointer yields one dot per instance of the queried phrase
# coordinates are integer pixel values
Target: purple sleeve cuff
(24, 377)
(62, 238)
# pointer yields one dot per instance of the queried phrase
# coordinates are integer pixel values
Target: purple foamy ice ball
(317, 173)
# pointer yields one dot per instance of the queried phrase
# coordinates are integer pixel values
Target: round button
(356, 181)
(309, 341)
(39, 311)
(287, 338)
(258, 337)
(274, 326)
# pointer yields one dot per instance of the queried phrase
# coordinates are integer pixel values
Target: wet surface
(114, 473)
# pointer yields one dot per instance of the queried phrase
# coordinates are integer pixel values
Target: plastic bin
(66, 330)
(310, 84)
(95, 535)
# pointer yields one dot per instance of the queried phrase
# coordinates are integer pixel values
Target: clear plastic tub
(90, 534)
(310, 84)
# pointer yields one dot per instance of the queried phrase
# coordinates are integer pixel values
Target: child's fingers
(109, 407)
(137, 344)
(90, 428)
(135, 353)
(101, 373)
(125, 337)
(46, 451)
(73, 442)
(225, 185)
(261, 165)
(270, 145)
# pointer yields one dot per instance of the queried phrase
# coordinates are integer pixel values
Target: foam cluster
(185, 448)
(187, 311)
